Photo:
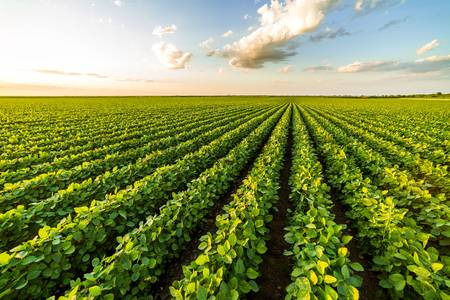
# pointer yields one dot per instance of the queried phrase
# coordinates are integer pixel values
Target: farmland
(224, 198)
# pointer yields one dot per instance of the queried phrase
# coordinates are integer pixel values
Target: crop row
(321, 265)
(48, 262)
(424, 207)
(398, 249)
(228, 263)
(22, 223)
(63, 148)
(76, 168)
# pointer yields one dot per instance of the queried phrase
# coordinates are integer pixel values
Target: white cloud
(67, 73)
(427, 47)
(170, 56)
(160, 31)
(280, 23)
(118, 3)
(319, 68)
(359, 66)
(285, 69)
(358, 5)
(207, 44)
(220, 71)
(246, 17)
(227, 33)
(424, 65)
(367, 6)
(250, 28)
(329, 33)
(393, 23)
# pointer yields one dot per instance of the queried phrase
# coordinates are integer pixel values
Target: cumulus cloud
(170, 56)
(427, 47)
(207, 44)
(424, 65)
(66, 73)
(367, 6)
(227, 33)
(329, 33)
(160, 31)
(285, 69)
(393, 23)
(319, 68)
(280, 23)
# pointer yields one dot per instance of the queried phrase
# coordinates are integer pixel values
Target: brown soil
(174, 269)
(276, 267)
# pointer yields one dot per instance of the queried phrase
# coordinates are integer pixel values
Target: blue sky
(141, 47)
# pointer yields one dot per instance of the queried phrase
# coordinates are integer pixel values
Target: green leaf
(252, 274)
(28, 260)
(43, 233)
(126, 263)
(190, 288)
(4, 258)
(202, 259)
(345, 271)
(234, 295)
(380, 260)
(33, 274)
(329, 279)
(420, 271)
(221, 250)
(397, 281)
(436, 266)
(346, 239)
(321, 265)
(313, 277)
(202, 293)
(330, 293)
(296, 272)
(261, 247)
(239, 267)
(95, 291)
(357, 267)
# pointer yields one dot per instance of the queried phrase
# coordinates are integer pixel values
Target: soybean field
(224, 198)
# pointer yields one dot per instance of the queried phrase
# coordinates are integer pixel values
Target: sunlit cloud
(160, 30)
(118, 3)
(66, 73)
(129, 79)
(285, 69)
(429, 64)
(319, 68)
(279, 24)
(427, 47)
(170, 56)
(227, 33)
(207, 44)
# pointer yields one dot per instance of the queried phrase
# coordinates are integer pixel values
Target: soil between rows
(370, 288)
(276, 267)
(174, 269)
